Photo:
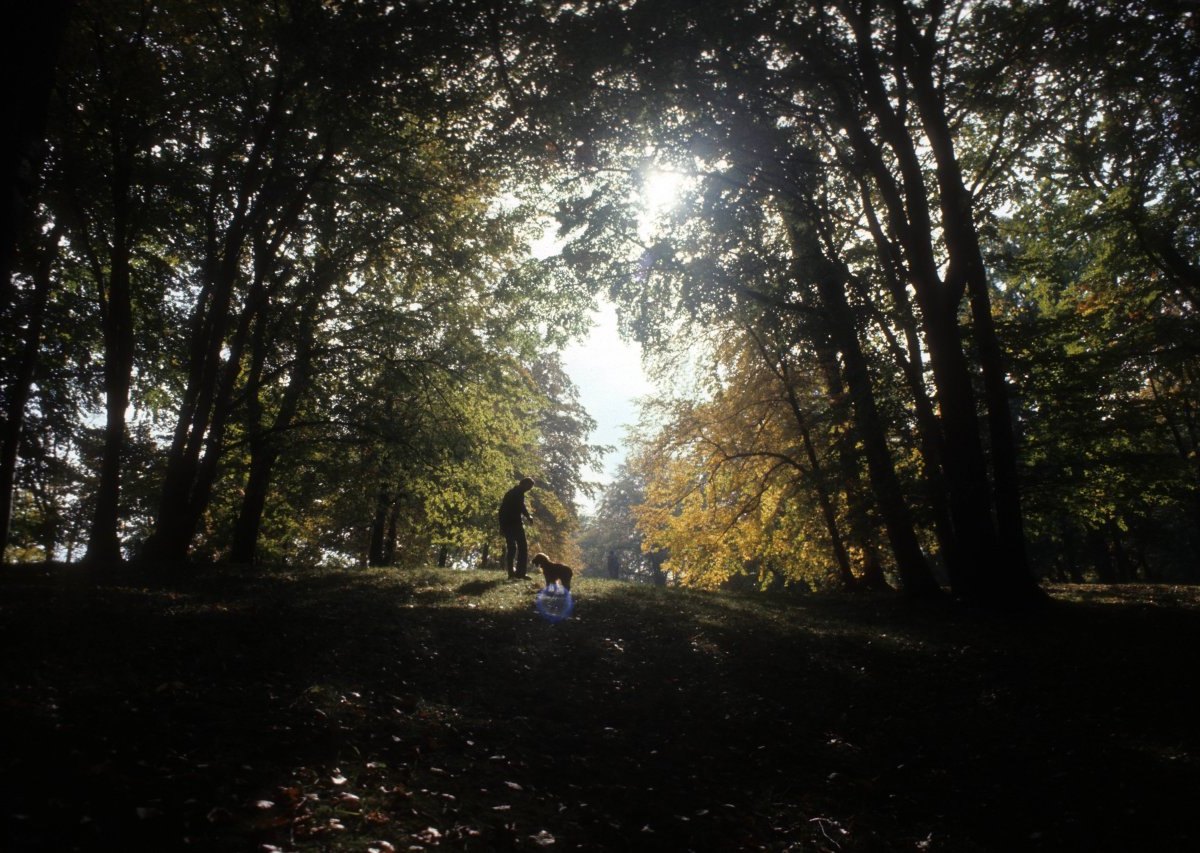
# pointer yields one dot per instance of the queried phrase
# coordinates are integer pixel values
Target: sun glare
(661, 190)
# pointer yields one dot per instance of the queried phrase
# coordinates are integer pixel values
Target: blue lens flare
(555, 603)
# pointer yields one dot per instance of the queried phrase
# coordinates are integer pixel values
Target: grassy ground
(396, 710)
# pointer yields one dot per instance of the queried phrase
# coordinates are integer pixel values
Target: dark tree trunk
(1011, 578)
(974, 557)
(198, 445)
(116, 319)
(190, 481)
(18, 393)
(244, 545)
(845, 573)
(204, 406)
(910, 361)
(915, 576)
(375, 551)
(31, 42)
(1102, 562)
(1120, 559)
(390, 542)
(176, 519)
(849, 466)
(103, 542)
(264, 445)
(911, 565)
(32, 39)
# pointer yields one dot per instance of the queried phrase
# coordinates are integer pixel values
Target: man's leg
(522, 553)
(510, 551)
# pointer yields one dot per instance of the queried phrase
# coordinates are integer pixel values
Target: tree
(331, 239)
(877, 98)
(1098, 262)
(33, 40)
(735, 486)
(611, 535)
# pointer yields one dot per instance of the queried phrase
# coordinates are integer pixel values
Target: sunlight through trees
(917, 284)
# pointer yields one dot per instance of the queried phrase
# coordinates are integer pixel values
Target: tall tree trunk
(207, 467)
(849, 465)
(391, 543)
(244, 544)
(910, 361)
(200, 444)
(33, 37)
(375, 552)
(906, 201)
(857, 503)
(116, 319)
(911, 565)
(201, 406)
(175, 520)
(264, 444)
(845, 573)
(103, 540)
(18, 393)
(1011, 578)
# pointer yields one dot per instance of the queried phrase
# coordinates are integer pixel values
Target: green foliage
(1054, 131)
(611, 541)
(318, 215)
(331, 300)
(1098, 261)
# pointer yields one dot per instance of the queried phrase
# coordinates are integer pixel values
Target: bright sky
(609, 375)
(607, 370)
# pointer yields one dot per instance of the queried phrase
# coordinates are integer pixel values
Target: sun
(661, 190)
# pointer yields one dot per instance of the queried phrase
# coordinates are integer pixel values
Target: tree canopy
(932, 267)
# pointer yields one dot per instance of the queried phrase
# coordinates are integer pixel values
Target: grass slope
(394, 710)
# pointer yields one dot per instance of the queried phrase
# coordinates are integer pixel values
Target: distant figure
(553, 571)
(512, 511)
(613, 565)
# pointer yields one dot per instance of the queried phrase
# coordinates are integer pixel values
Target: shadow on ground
(343, 710)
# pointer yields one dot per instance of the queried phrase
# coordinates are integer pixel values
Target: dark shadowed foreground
(401, 710)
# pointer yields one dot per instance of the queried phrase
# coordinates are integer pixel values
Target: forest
(899, 555)
(922, 310)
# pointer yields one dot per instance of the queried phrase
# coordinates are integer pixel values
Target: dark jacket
(512, 507)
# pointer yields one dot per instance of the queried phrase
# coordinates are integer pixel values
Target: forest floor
(396, 710)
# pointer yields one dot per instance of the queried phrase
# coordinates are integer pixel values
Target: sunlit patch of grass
(1171, 595)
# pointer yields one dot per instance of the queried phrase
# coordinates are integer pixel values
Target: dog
(553, 571)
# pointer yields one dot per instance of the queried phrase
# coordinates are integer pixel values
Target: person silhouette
(512, 512)
(613, 564)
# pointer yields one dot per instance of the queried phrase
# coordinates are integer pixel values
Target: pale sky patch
(608, 373)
